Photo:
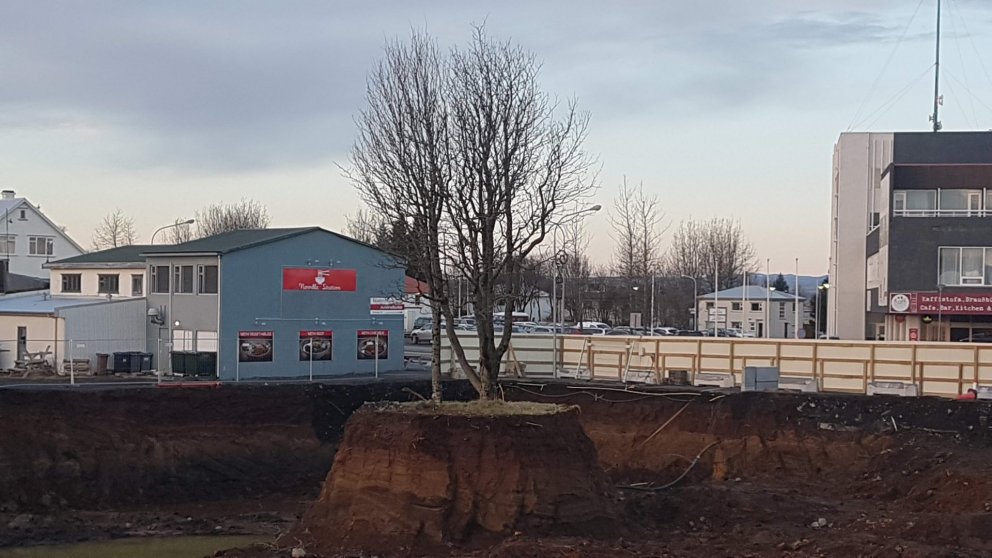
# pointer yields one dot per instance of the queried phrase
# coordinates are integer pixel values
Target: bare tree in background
(638, 225)
(180, 232)
(365, 226)
(576, 271)
(220, 218)
(115, 230)
(470, 151)
(702, 248)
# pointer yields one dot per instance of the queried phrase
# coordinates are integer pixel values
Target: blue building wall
(253, 299)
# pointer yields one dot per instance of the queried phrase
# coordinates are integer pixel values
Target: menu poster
(373, 344)
(315, 345)
(254, 346)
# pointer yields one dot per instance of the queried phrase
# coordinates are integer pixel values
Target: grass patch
(478, 408)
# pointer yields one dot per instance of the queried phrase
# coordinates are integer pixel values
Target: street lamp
(556, 310)
(180, 224)
(820, 288)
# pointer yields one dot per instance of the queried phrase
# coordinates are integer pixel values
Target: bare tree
(366, 226)
(706, 249)
(638, 225)
(181, 231)
(401, 164)
(116, 229)
(520, 166)
(219, 218)
(470, 151)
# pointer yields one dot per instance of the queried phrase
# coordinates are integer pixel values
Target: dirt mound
(405, 480)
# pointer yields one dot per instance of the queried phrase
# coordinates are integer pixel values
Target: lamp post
(556, 311)
(940, 311)
(768, 298)
(795, 304)
(160, 229)
(695, 303)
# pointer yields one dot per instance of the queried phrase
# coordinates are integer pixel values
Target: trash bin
(189, 363)
(134, 362)
(206, 364)
(144, 361)
(178, 362)
(122, 362)
(102, 360)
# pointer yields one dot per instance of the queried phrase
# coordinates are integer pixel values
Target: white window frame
(35, 241)
(8, 244)
(979, 203)
(985, 280)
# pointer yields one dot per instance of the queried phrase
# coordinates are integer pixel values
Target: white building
(29, 239)
(112, 273)
(745, 309)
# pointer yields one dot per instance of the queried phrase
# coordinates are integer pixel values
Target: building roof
(233, 241)
(43, 303)
(16, 283)
(754, 292)
(8, 205)
(120, 255)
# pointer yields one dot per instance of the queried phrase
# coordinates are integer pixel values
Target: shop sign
(254, 346)
(385, 306)
(313, 279)
(316, 345)
(373, 344)
(941, 303)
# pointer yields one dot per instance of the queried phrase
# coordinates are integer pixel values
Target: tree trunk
(436, 353)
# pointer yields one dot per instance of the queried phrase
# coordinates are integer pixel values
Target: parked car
(586, 331)
(690, 333)
(978, 338)
(597, 325)
(666, 331)
(423, 334)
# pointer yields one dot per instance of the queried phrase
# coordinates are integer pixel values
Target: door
(761, 330)
(22, 342)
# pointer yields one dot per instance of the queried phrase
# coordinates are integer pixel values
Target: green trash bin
(206, 364)
(178, 362)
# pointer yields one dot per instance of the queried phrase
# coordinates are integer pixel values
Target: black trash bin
(189, 363)
(122, 362)
(134, 363)
(145, 361)
(206, 364)
(178, 362)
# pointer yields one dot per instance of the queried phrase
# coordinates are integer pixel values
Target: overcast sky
(720, 107)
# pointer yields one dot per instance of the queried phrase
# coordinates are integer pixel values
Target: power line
(964, 69)
(878, 78)
(886, 106)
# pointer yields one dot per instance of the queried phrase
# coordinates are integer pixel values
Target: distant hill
(807, 283)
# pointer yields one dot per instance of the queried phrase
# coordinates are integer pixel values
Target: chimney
(7, 194)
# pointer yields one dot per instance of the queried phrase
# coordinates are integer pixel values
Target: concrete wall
(859, 160)
(252, 299)
(43, 332)
(90, 281)
(32, 224)
(945, 369)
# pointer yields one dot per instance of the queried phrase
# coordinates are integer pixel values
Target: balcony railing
(942, 213)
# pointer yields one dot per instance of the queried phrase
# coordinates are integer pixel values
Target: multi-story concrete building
(911, 236)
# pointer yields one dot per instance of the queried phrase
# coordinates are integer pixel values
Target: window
(709, 305)
(965, 266)
(41, 245)
(108, 283)
(735, 325)
(208, 279)
(950, 202)
(137, 285)
(755, 306)
(182, 279)
(24, 215)
(8, 244)
(735, 306)
(72, 283)
(159, 278)
(781, 310)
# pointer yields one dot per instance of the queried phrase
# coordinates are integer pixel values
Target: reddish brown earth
(405, 478)
(888, 476)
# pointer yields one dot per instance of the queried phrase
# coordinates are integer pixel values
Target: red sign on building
(313, 279)
(941, 303)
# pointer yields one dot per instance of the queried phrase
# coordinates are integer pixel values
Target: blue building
(274, 303)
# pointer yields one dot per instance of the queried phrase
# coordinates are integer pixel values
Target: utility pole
(936, 78)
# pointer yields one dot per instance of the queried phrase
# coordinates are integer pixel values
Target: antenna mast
(936, 78)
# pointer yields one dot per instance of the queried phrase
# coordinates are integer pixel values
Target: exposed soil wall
(406, 479)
